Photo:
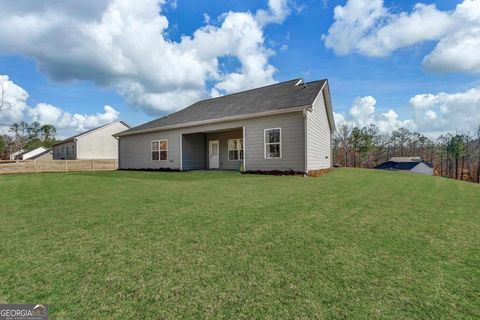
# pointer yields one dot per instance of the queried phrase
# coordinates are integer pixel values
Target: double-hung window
(273, 143)
(160, 150)
(235, 149)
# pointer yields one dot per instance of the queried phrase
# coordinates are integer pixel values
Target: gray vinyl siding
(194, 154)
(135, 149)
(222, 138)
(318, 136)
(292, 143)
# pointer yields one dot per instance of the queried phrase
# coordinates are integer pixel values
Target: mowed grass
(354, 244)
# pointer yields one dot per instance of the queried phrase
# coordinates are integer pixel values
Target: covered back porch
(217, 149)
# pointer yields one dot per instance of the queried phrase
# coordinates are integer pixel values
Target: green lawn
(354, 244)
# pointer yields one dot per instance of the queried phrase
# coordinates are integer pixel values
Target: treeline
(26, 136)
(455, 156)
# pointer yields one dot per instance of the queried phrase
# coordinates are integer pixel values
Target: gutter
(76, 149)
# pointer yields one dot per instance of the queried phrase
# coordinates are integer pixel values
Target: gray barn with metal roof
(285, 126)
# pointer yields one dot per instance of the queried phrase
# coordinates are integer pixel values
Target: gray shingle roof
(280, 96)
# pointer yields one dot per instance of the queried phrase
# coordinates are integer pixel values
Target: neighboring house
(285, 126)
(16, 153)
(412, 164)
(98, 143)
(38, 153)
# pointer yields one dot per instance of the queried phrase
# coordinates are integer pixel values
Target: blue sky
(293, 44)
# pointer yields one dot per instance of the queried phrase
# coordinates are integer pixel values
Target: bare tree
(15, 130)
(342, 138)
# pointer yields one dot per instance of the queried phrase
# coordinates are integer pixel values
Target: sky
(82, 63)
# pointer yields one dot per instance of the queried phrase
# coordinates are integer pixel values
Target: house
(285, 126)
(412, 164)
(38, 153)
(97, 143)
(13, 155)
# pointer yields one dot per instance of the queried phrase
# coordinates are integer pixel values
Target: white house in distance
(16, 153)
(412, 164)
(97, 143)
(38, 153)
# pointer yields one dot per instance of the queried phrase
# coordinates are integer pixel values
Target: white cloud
(363, 113)
(14, 102)
(444, 112)
(277, 11)
(459, 49)
(352, 22)
(47, 113)
(238, 36)
(363, 110)
(369, 28)
(124, 44)
(431, 114)
(17, 109)
(206, 18)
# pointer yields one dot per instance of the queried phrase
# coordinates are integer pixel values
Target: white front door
(213, 157)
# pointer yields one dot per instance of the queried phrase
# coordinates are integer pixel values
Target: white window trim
(151, 149)
(265, 144)
(228, 150)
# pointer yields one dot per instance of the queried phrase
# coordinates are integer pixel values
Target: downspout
(118, 152)
(244, 151)
(306, 110)
(76, 149)
(305, 138)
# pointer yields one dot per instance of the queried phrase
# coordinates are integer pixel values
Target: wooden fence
(33, 166)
